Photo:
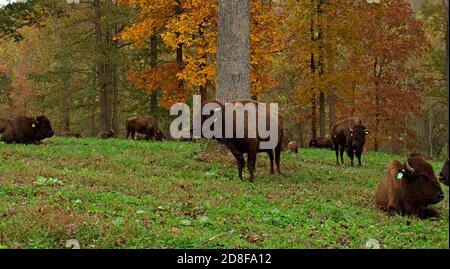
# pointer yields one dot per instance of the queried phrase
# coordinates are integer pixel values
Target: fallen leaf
(176, 230)
(120, 240)
(252, 238)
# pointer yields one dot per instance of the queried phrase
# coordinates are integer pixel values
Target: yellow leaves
(196, 30)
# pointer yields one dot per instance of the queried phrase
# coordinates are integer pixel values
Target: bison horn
(350, 128)
(408, 167)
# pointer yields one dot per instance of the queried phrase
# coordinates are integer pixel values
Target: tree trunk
(445, 3)
(101, 68)
(115, 108)
(153, 63)
(332, 107)
(179, 51)
(233, 54)
(66, 104)
(314, 117)
(322, 114)
(93, 104)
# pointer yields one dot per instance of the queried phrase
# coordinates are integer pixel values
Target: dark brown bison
(443, 175)
(70, 134)
(27, 130)
(349, 134)
(410, 188)
(321, 143)
(145, 125)
(4, 122)
(251, 146)
(292, 146)
(105, 134)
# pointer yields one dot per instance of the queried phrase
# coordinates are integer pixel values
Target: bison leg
(430, 212)
(336, 149)
(391, 211)
(128, 133)
(251, 160)
(133, 135)
(351, 156)
(358, 155)
(342, 154)
(270, 153)
(277, 157)
(240, 162)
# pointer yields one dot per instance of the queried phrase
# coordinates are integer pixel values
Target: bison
(4, 122)
(105, 134)
(410, 188)
(145, 125)
(27, 130)
(349, 134)
(292, 146)
(251, 146)
(443, 175)
(321, 143)
(70, 134)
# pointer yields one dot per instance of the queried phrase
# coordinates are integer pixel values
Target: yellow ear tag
(33, 125)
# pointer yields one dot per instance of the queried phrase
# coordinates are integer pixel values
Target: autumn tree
(196, 29)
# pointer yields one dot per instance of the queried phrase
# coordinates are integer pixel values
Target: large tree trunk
(153, 63)
(233, 54)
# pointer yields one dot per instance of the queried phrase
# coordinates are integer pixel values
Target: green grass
(125, 194)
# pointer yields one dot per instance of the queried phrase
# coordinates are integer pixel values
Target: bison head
(216, 112)
(358, 136)
(419, 177)
(42, 127)
(160, 136)
(312, 142)
(443, 175)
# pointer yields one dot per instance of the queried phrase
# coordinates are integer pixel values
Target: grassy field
(125, 194)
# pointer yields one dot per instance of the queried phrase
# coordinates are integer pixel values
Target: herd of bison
(406, 188)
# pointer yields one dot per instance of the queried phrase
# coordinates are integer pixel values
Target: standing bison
(349, 134)
(410, 188)
(251, 146)
(443, 175)
(321, 143)
(145, 125)
(27, 130)
(4, 122)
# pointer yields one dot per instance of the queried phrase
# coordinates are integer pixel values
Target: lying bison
(292, 146)
(27, 130)
(251, 146)
(409, 188)
(4, 122)
(105, 134)
(349, 134)
(321, 143)
(145, 125)
(443, 175)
